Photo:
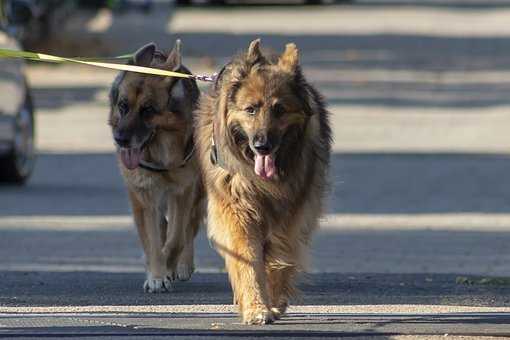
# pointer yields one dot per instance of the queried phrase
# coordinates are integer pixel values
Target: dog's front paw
(153, 285)
(257, 315)
(279, 312)
(280, 309)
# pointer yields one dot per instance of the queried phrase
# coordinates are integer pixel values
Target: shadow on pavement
(379, 51)
(419, 183)
(125, 289)
(388, 70)
(192, 325)
(389, 183)
(425, 61)
(267, 332)
(53, 98)
(453, 4)
(64, 246)
(489, 4)
(344, 92)
(69, 184)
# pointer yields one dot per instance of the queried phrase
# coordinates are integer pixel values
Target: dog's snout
(121, 138)
(262, 144)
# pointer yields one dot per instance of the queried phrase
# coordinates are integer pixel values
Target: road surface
(419, 196)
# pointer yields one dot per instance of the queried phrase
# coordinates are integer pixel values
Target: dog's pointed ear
(289, 60)
(144, 56)
(174, 60)
(254, 55)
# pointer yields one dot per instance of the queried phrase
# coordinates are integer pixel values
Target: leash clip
(206, 78)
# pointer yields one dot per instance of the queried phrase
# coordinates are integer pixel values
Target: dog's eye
(123, 107)
(148, 111)
(251, 110)
(278, 110)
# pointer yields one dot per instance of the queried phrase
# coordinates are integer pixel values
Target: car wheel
(183, 2)
(17, 166)
(313, 2)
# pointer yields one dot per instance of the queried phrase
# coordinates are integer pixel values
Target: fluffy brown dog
(151, 120)
(264, 143)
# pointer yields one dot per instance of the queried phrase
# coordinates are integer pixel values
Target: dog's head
(142, 104)
(263, 107)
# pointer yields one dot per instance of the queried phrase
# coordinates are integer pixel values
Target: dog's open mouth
(265, 166)
(131, 157)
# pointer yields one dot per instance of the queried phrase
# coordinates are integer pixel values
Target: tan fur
(262, 227)
(169, 206)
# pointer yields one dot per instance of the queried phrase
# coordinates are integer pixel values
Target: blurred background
(419, 92)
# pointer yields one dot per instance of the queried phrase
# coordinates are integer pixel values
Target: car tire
(17, 166)
(313, 2)
(183, 2)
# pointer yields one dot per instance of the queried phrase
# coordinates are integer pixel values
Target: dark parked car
(17, 152)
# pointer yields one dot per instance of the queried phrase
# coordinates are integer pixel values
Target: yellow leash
(7, 53)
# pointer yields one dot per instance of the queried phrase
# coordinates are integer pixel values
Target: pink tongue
(264, 166)
(130, 157)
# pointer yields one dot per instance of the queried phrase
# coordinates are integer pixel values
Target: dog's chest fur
(174, 181)
(168, 150)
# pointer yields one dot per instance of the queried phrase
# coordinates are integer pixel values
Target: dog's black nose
(121, 139)
(262, 144)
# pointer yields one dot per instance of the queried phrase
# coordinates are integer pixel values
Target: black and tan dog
(264, 143)
(151, 121)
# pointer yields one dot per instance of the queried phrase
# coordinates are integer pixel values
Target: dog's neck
(154, 166)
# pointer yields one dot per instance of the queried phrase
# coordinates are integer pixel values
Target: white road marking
(444, 221)
(298, 309)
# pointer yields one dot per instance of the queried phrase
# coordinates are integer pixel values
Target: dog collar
(215, 155)
(155, 167)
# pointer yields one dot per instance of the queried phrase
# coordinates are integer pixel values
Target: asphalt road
(419, 195)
